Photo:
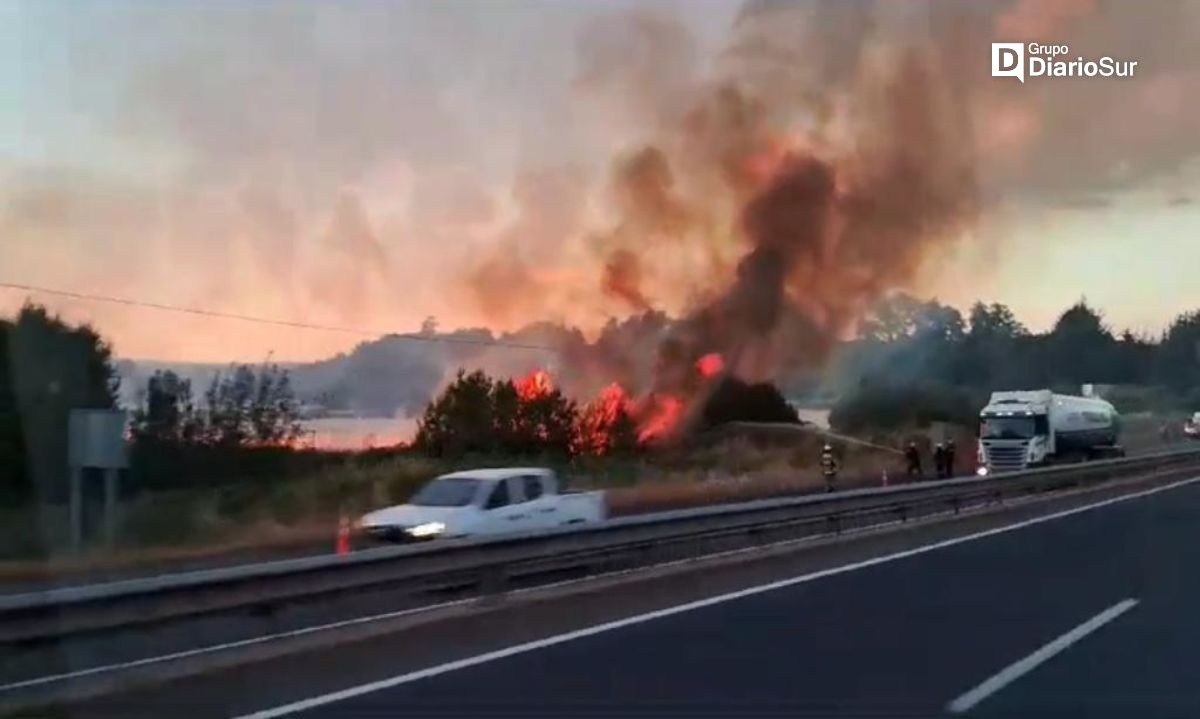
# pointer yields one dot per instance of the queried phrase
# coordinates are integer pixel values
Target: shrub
(889, 407)
(736, 401)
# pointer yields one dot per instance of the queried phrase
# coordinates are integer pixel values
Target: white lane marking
(1021, 667)
(105, 668)
(332, 697)
(291, 634)
(211, 649)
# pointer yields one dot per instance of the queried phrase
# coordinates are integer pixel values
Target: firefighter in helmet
(829, 467)
(912, 458)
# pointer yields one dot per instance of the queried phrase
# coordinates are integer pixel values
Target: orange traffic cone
(343, 536)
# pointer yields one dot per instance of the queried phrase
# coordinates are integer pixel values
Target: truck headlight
(982, 471)
(428, 529)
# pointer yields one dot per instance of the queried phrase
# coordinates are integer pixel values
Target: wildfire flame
(662, 417)
(710, 365)
(534, 385)
(601, 421)
(653, 417)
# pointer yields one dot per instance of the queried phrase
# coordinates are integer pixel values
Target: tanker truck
(1030, 428)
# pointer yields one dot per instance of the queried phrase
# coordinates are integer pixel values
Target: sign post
(95, 439)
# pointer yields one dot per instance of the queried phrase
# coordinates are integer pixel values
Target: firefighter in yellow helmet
(829, 467)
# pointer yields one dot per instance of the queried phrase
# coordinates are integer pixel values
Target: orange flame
(710, 365)
(534, 385)
(664, 415)
(598, 424)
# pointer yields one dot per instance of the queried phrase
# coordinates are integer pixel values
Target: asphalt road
(1090, 614)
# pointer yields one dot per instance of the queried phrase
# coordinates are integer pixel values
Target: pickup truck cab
(1192, 427)
(484, 502)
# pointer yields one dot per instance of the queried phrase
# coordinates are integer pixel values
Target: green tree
(886, 406)
(167, 413)
(1178, 362)
(13, 478)
(546, 424)
(55, 367)
(939, 323)
(736, 401)
(995, 321)
(1080, 349)
(892, 319)
(249, 408)
(461, 418)
(478, 414)
(995, 349)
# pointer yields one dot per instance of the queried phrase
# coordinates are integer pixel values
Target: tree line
(917, 362)
(914, 362)
(49, 367)
(479, 414)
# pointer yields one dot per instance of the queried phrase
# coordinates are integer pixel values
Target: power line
(269, 320)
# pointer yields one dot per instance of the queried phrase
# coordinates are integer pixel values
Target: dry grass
(740, 469)
(252, 522)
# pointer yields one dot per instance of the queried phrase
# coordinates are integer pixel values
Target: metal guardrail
(492, 562)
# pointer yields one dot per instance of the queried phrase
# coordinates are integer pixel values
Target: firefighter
(829, 467)
(913, 456)
(939, 461)
(950, 449)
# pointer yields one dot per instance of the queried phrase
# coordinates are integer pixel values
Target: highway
(1088, 611)
(18, 577)
(34, 576)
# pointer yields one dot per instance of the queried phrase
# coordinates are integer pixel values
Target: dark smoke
(623, 279)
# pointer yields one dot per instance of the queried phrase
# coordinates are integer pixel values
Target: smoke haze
(758, 171)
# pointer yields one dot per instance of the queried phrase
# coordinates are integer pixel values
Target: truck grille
(1005, 459)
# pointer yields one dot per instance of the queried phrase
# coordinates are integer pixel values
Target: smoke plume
(768, 212)
(653, 197)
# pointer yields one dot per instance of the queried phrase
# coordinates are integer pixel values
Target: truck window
(499, 496)
(447, 492)
(533, 487)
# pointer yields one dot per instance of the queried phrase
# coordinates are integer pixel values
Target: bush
(890, 407)
(476, 414)
(736, 401)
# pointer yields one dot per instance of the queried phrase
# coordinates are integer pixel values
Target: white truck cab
(484, 502)
(1027, 428)
(1192, 427)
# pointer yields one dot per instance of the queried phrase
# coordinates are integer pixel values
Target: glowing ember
(534, 385)
(663, 416)
(710, 364)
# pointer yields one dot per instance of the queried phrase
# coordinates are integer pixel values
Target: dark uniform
(829, 467)
(939, 461)
(913, 459)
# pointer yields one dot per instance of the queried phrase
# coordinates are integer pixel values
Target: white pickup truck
(1192, 427)
(484, 502)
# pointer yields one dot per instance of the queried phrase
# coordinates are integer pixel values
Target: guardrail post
(492, 582)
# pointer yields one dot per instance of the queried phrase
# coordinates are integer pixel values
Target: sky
(342, 163)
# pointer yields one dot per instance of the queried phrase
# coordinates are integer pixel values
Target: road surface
(1091, 613)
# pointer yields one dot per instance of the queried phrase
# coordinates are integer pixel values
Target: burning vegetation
(529, 415)
(760, 218)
